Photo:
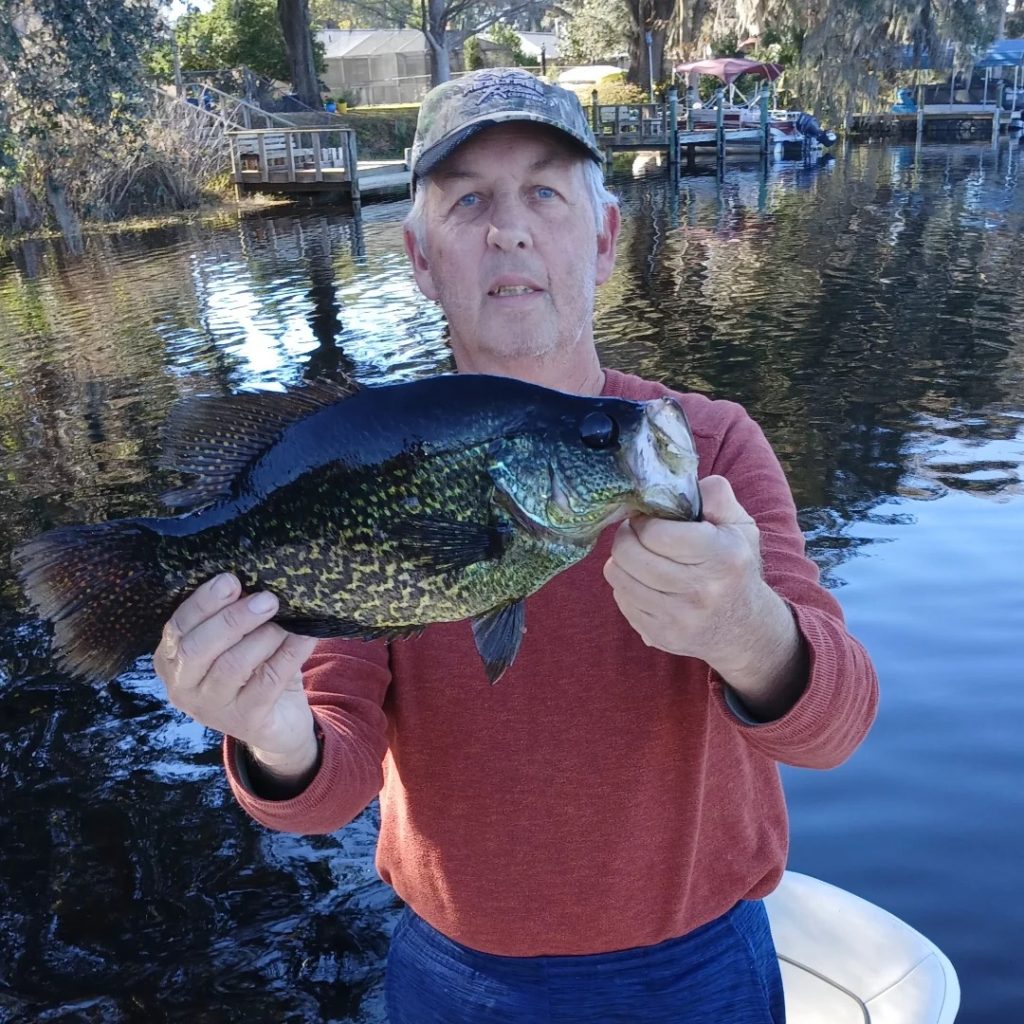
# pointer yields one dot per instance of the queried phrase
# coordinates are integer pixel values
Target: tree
(596, 32)
(71, 71)
(350, 14)
(654, 16)
(445, 24)
(842, 53)
(234, 33)
(298, 42)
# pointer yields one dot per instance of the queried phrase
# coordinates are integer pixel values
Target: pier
(313, 161)
(937, 120)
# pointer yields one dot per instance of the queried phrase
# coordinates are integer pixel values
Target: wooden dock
(320, 162)
(937, 120)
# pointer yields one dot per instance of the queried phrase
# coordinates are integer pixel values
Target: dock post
(289, 155)
(672, 113)
(261, 147)
(765, 130)
(352, 158)
(720, 130)
(593, 110)
(236, 176)
(995, 124)
(920, 117)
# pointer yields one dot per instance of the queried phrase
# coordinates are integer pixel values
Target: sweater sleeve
(839, 702)
(346, 682)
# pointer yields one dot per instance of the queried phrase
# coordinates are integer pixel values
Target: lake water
(867, 310)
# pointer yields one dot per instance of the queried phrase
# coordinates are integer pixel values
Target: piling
(765, 130)
(673, 133)
(720, 130)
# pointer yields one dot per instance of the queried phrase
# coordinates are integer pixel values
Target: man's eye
(469, 200)
(543, 192)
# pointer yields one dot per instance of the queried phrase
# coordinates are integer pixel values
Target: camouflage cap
(454, 111)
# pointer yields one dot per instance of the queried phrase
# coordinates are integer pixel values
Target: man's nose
(508, 229)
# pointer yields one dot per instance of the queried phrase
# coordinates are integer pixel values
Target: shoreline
(212, 209)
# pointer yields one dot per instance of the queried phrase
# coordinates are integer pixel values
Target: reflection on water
(868, 312)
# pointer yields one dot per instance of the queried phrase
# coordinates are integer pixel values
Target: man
(590, 839)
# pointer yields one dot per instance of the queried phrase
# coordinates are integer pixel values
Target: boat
(846, 961)
(742, 114)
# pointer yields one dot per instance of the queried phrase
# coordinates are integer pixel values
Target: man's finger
(232, 668)
(202, 646)
(275, 674)
(628, 590)
(632, 556)
(205, 601)
(719, 502)
(682, 543)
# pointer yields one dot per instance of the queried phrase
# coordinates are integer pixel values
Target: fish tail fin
(104, 591)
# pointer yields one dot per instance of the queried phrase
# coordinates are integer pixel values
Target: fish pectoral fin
(498, 635)
(444, 545)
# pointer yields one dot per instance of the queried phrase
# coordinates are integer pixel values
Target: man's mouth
(512, 289)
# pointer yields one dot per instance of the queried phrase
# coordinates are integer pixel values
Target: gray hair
(593, 175)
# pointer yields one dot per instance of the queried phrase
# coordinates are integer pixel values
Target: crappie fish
(368, 511)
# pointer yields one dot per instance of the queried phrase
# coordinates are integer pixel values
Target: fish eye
(599, 431)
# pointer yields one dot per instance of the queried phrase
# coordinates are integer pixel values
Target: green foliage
(359, 14)
(66, 60)
(382, 133)
(612, 89)
(472, 57)
(505, 36)
(725, 46)
(596, 33)
(71, 89)
(235, 33)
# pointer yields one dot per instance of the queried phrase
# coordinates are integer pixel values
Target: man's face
(510, 248)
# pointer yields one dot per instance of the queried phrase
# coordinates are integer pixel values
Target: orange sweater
(603, 794)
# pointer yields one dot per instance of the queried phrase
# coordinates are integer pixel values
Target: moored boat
(742, 113)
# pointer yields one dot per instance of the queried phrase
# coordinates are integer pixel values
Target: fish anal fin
(215, 438)
(498, 634)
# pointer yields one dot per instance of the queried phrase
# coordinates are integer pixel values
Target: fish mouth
(662, 461)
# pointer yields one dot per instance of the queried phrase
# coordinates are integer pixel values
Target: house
(376, 65)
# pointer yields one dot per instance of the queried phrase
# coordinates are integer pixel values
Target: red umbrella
(728, 69)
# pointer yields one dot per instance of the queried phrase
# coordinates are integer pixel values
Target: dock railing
(295, 156)
(637, 123)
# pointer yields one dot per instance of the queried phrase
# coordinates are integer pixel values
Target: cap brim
(443, 148)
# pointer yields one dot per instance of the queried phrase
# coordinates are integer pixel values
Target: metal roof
(1001, 53)
(370, 42)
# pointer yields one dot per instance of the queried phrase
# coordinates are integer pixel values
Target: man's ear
(420, 266)
(606, 243)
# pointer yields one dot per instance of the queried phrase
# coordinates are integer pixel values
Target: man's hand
(231, 669)
(696, 589)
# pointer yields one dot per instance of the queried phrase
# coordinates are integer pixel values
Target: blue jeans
(725, 972)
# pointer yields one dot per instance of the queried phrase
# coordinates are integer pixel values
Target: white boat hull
(846, 961)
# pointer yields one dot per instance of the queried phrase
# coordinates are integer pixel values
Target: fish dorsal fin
(216, 438)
